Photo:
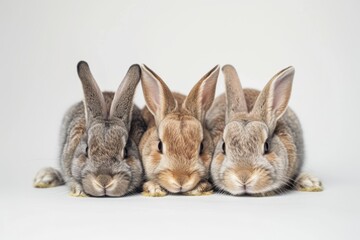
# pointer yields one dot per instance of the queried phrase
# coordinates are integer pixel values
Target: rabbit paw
(308, 183)
(202, 189)
(152, 189)
(76, 190)
(48, 177)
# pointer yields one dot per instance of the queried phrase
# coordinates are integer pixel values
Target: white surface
(42, 41)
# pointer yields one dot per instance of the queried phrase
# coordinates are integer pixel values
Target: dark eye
(160, 147)
(126, 153)
(86, 151)
(266, 147)
(201, 148)
(224, 147)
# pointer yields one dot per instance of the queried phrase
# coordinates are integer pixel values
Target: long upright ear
(158, 96)
(122, 104)
(235, 98)
(94, 99)
(274, 98)
(202, 94)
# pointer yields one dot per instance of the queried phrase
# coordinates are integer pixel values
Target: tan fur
(180, 168)
(182, 134)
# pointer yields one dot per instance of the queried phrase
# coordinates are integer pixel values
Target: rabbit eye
(160, 147)
(86, 151)
(125, 153)
(201, 148)
(266, 147)
(223, 147)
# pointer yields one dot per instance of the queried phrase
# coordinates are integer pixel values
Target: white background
(42, 41)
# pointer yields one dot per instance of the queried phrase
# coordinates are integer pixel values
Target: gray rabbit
(260, 148)
(99, 138)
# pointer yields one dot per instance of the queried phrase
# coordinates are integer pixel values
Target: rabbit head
(106, 161)
(177, 150)
(252, 158)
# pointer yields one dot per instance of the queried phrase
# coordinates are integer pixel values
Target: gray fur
(123, 100)
(94, 100)
(235, 100)
(105, 127)
(244, 167)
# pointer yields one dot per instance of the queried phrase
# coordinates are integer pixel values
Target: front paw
(76, 190)
(152, 189)
(48, 177)
(202, 189)
(308, 183)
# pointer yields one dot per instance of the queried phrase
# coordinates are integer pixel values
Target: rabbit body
(260, 147)
(99, 138)
(177, 148)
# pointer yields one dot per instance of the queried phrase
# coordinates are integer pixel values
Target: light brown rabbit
(176, 149)
(260, 148)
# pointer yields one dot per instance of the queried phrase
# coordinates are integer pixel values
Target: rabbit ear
(158, 96)
(122, 104)
(202, 94)
(274, 98)
(94, 99)
(235, 98)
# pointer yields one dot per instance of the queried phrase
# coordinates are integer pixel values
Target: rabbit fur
(99, 138)
(177, 148)
(259, 141)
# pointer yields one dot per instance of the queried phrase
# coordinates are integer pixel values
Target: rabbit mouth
(245, 190)
(178, 183)
(106, 185)
(247, 182)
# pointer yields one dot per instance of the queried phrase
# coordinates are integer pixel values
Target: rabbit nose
(244, 176)
(104, 180)
(178, 182)
(184, 183)
(181, 180)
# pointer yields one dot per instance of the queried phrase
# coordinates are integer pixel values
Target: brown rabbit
(177, 148)
(260, 149)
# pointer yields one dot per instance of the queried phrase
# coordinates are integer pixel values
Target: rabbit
(259, 141)
(176, 148)
(99, 138)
